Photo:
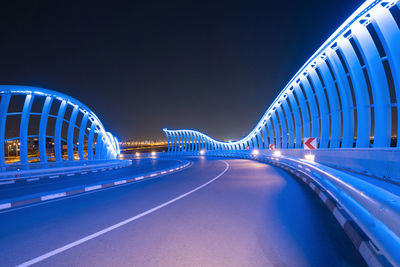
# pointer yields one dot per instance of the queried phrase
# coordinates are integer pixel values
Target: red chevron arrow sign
(310, 143)
(271, 146)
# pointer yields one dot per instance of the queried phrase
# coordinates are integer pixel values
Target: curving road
(218, 212)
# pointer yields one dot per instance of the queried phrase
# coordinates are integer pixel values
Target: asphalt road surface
(218, 212)
(138, 167)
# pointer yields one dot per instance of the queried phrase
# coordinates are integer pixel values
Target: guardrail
(374, 210)
(60, 169)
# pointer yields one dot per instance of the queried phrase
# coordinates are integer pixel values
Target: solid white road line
(118, 225)
(5, 206)
(8, 182)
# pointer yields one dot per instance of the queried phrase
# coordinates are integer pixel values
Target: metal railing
(60, 128)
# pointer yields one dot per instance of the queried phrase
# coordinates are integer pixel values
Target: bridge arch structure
(60, 127)
(346, 95)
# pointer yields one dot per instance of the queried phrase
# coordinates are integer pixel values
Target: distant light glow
(309, 157)
(137, 154)
(277, 153)
(153, 153)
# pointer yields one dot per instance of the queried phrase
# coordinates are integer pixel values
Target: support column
(282, 121)
(360, 92)
(264, 131)
(380, 90)
(43, 128)
(304, 111)
(333, 103)
(5, 100)
(277, 130)
(71, 130)
(323, 107)
(312, 106)
(289, 119)
(298, 127)
(23, 130)
(81, 138)
(389, 34)
(270, 132)
(346, 99)
(90, 141)
(57, 134)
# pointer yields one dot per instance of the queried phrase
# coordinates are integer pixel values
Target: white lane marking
(153, 174)
(83, 172)
(5, 206)
(57, 195)
(118, 225)
(119, 182)
(95, 171)
(94, 187)
(54, 176)
(70, 174)
(8, 182)
(139, 178)
(32, 179)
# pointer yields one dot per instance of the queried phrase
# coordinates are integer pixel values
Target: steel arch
(79, 136)
(346, 95)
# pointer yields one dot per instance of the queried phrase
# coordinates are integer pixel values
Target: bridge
(315, 183)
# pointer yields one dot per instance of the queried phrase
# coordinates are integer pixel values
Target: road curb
(46, 196)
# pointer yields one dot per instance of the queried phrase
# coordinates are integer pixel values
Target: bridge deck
(57, 182)
(252, 215)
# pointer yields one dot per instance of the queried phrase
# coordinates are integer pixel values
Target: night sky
(214, 66)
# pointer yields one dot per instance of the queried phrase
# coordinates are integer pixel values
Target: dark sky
(140, 66)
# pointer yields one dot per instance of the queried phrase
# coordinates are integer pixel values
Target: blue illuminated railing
(346, 95)
(60, 128)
